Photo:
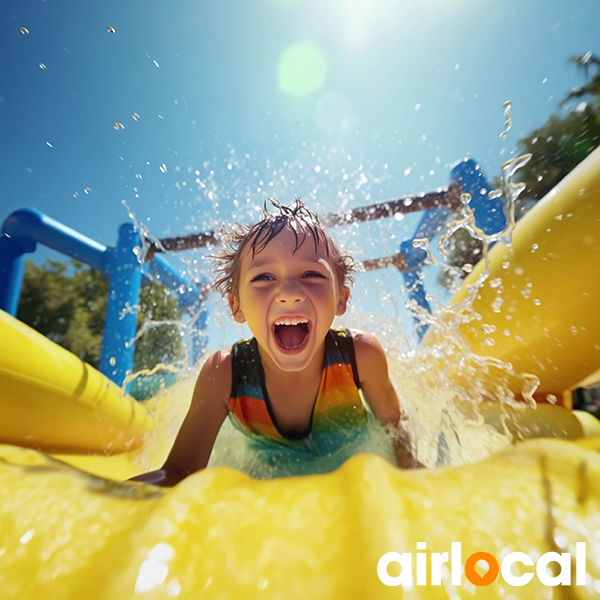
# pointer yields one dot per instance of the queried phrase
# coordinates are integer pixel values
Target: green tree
(67, 304)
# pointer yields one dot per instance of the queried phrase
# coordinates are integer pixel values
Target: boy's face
(289, 300)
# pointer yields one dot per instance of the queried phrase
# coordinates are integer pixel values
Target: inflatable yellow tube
(51, 400)
(546, 322)
(219, 534)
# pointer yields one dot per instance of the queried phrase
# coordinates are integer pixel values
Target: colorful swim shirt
(339, 418)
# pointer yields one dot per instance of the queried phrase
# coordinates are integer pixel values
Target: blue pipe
(21, 232)
(124, 270)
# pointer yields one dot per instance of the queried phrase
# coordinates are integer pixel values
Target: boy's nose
(289, 292)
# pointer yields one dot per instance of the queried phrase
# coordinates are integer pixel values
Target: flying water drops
(507, 119)
(110, 29)
(135, 116)
(24, 30)
(118, 126)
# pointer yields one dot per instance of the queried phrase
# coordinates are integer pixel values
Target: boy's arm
(381, 395)
(201, 425)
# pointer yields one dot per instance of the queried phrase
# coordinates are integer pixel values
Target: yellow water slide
(219, 534)
(53, 401)
(539, 303)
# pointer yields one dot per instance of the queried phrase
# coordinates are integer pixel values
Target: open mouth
(291, 333)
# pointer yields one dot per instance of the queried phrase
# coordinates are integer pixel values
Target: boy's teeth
(288, 321)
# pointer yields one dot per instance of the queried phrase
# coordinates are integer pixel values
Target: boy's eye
(262, 277)
(314, 274)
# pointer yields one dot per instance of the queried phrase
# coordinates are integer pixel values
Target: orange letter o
(473, 576)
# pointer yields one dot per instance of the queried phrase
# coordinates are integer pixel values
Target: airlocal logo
(405, 578)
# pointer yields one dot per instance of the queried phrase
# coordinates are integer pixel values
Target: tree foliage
(67, 304)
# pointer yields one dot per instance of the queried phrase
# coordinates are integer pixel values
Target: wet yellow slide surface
(219, 534)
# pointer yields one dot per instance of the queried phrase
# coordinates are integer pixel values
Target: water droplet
(42, 66)
(497, 304)
(398, 216)
(493, 194)
(24, 30)
(157, 65)
(87, 190)
(423, 137)
(318, 169)
(487, 329)
(467, 267)
(407, 201)
(112, 361)
(407, 171)
(505, 264)
(534, 247)
(118, 126)
(26, 537)
(537, 302)
(510, 167)
(49, 144)
(75, 194)
(262, 583)
(110, 29)
(507, 119)
(494, 283)
(135, 116)
(163, 168)
(489, 342)
(530, 384)
(417, 106)
(138, 176)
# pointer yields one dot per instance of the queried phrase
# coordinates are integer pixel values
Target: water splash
(507, 119)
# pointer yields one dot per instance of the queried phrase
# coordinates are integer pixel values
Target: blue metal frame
(25, 228)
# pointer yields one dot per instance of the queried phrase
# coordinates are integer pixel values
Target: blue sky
(396, 91)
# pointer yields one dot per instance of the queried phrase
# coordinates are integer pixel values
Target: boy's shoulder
(217, 371)
(370, 355)
(365, 341)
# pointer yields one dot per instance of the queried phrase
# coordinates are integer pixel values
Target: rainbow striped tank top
(339, 414)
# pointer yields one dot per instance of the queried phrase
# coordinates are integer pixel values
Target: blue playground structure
(126, 271)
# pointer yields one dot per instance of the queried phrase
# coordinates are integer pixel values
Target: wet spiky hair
(301, 220)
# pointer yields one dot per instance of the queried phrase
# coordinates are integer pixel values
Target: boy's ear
(234, 306)
(342, 300)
